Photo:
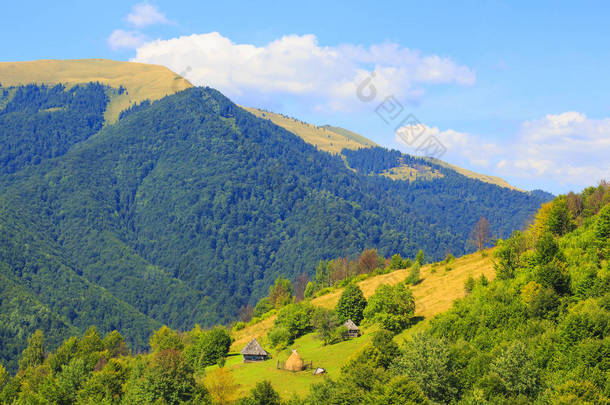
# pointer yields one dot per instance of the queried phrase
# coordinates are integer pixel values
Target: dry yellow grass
(477, 176)
(142, 81)
(324, 139)
(334, 139)
(438, 288)
(435, 293)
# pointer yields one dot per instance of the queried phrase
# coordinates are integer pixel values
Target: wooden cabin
(352, 330)
(253, 351)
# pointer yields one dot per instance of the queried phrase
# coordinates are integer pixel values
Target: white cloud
(296, 65)
(569, 149)
(121, 39)
(144, 14)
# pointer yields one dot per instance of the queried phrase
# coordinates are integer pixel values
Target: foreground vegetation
(537, 333)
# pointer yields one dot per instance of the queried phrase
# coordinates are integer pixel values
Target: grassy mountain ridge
(334, 139)
(141, 81)
(328, 139)
(151, 82)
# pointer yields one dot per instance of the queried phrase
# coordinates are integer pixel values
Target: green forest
(538, 333)
(187, 209)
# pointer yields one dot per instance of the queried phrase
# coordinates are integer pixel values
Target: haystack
(294, 362)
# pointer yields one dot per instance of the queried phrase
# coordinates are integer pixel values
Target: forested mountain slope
(537, 333)
(189, 207)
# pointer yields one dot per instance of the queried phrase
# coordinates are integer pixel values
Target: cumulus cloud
(297, 65)
(121, 39)
(567, 148)
(144, 14)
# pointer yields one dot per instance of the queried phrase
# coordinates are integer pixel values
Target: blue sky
(513, 89)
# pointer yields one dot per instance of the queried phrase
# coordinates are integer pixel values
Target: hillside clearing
(439, 287)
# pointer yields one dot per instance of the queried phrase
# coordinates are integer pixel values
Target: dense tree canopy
(189, 208)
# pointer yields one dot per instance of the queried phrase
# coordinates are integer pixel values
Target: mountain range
(131, 199)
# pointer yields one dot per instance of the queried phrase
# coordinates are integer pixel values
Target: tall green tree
(559, 220)
(166, 338)
(280, 293)
(33, 354)
(419, 258)
(351, 304)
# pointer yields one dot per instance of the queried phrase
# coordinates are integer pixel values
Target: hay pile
(294, 362)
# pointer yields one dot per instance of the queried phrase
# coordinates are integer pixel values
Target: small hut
(352, 330)
(294, 362)
(253, 351)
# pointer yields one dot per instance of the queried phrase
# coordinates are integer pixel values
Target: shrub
(391, 306)
(419, 258)
(414, 274)
(296, 318)
(280, 337)
(239, 326)
(469, 285)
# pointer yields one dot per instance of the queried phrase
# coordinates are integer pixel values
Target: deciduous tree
(480, 234)
(351, 304)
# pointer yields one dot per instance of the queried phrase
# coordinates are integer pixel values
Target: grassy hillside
(440, 286)
(434, 294)
(321, 137)
(536, 329)
(478, 176)
(349, 134)
(142, 81)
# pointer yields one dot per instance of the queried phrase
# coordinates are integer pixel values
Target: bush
(296, 318)
(391, 306)
(469, 285)
(280, 337)
(419, 258)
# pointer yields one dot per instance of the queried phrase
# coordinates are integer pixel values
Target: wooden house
(253, 351)
(352, 330)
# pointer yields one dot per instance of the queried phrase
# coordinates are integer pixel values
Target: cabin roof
(350, 325)
(254, 348)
